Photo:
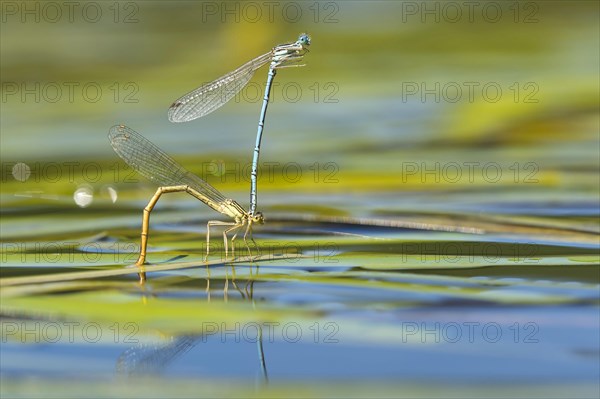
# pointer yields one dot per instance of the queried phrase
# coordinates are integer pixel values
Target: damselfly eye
(258, 218)
(304, 39)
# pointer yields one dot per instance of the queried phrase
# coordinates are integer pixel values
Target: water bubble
(83, 196)
(21, 171)
(112, 193)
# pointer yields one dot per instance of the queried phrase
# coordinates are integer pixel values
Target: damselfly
(213, 95)
(149, 160)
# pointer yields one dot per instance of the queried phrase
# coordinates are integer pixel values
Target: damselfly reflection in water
(213, 95)
(150, 359)
(152, 162)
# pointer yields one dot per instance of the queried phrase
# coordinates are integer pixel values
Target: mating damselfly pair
(149, 160)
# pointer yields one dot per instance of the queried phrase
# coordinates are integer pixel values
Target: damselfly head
(258, 218)
(304, 39)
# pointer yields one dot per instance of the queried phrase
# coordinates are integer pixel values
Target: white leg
(217, 223)
(234, 228)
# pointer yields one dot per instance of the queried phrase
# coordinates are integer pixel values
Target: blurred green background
(443, 156)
